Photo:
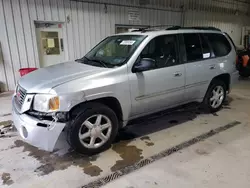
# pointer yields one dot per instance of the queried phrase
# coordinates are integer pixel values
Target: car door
(162, 86)
(201, 66)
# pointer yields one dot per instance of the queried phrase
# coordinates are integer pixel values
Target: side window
(193, 46)
(206, 48)
(163, 50)
(219, 43)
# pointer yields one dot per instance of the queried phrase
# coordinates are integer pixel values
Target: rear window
(219, 43)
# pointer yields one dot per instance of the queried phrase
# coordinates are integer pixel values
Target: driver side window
(163, 50)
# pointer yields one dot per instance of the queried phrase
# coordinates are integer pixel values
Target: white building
(38, 33)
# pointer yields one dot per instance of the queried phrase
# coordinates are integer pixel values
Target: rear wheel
(215, 96)
(93, 130)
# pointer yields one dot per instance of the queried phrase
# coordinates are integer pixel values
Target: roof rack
(197, 28)
(140, 30)
(150, 28)
(147, 29)
(174, 28)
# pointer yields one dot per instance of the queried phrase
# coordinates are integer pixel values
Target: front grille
(20, 96)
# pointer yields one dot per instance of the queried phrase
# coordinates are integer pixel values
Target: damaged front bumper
(33, 131)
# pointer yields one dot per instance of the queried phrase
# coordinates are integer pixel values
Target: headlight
(46, 103)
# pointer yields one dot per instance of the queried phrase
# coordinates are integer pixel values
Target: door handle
(177, 74)
(212, 67)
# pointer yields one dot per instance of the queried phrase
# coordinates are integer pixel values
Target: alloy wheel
(217, 97)
(95, 131)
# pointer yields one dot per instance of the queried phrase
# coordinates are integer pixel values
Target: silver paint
(138, 93)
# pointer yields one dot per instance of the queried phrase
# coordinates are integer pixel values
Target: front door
(163, 86)
(50, 44)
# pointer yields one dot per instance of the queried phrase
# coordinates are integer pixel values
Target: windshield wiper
(104, 64)
(100, 62)
(82, 59)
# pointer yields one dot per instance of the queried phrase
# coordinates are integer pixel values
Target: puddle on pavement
(51, 162)
(6, 123)
(130, 154)
(6, 179)
(147, 140)
(92, 170)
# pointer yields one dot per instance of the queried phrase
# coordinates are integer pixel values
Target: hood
(44, 79)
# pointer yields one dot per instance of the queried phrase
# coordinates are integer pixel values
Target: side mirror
(144, 64)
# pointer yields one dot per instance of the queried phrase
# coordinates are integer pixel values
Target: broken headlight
(46, 103)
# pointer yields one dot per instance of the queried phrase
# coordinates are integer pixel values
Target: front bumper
(44, 138)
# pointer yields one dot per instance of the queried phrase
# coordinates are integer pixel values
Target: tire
(208, 102)
(81, 127)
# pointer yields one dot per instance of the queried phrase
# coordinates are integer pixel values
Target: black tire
(206, 101)
(89, 110)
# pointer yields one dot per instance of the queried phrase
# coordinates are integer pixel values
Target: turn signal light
(54, 103)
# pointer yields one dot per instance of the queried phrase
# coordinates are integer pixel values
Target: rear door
(206, 57)
(201, 66)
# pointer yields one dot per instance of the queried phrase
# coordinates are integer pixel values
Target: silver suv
(124, 77)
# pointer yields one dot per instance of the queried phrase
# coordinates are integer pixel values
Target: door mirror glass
(144, 64)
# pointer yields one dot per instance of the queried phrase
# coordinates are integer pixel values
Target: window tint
(206, 49)
(193, 47)
(219, 43)
(163, 50)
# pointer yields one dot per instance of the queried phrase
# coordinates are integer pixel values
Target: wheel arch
(225, 77)
(110, 101)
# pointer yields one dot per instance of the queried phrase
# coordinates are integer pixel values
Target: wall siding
(90, 22)
(228, 23)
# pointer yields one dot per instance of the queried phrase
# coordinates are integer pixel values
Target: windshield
(114, 50)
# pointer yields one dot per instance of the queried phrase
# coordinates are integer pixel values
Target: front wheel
(215, 96)
(93, 130)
